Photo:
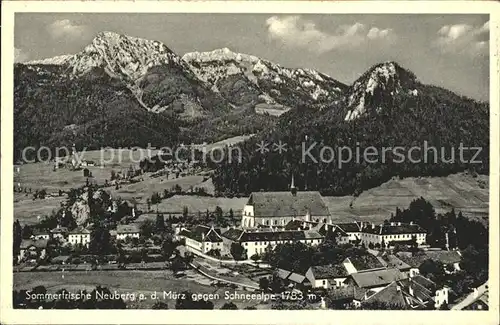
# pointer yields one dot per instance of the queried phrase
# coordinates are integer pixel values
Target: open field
(461, 191)
(141, 191)
(136, 282)
(42, 176)
(273, 110)
(223, 143)
(202, 203)
(27, 210)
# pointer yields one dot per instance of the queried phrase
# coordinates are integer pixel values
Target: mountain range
(127, 91)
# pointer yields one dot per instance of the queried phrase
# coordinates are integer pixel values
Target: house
(392, 233)
(88, 163)
(348, 232)
(375, 280)
(40, 234)
(292, 277)
(362, 263)
(391, 296)
(257, 241)
(345, 296)
(59, 232)
(425, 291)
(480, 300)
(392, 261)
(32, 249)
(202, 238)
(127, 231)
(79, 236)
(480, 303)
(277, 209)
(327, 276)
(450, 259)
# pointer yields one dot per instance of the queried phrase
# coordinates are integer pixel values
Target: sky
(451, 51)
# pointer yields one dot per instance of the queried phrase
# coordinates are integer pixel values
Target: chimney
(373, 225)
(202, 236)
(398, 288)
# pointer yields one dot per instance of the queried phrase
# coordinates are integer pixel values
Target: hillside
(52, 108)
(398, 111)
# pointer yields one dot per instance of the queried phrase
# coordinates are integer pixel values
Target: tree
(86, 172)
(264, 283)
(238, 252)
(231, 216)
(185, 301)
(147, 228)
(100, 241)
(230, 306)
(160, 305)
(155, 198)
(160, 223)
(255, 258)
(433, 270)
(17, 237)
(185, 212)
(167, 249)
(27, 232)
(218, 215)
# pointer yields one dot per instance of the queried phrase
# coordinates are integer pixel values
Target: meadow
(132, 282)
(463, 192)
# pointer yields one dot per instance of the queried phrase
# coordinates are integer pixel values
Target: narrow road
(471, 298)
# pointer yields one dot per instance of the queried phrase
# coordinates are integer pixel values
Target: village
(284, 243)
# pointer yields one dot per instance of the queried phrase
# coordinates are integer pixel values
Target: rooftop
(202, 233)
(127, 229)
(391, 295)
(267, 235)
(377, 278)
(394, 229)
(40, 243)
(80, 230)
(415, 260)
(365, 262)
(328, 271)
(349, 227)
(59, 230)
(392, 261)
(285, 204)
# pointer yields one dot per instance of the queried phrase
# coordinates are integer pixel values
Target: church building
(277, 209)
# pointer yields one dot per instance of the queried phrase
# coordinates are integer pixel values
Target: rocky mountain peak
(223, 54)
(377, 87)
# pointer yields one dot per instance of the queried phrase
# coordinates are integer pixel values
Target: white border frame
(15, 316)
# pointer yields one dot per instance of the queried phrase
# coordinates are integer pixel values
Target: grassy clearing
(201, 203)
(27, 210)
(461, 191)
(145, 282)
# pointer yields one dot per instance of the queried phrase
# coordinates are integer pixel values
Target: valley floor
(462, 192)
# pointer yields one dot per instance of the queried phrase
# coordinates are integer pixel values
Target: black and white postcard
(275, 162)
